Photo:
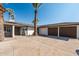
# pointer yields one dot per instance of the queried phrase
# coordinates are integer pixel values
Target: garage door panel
(68, 31)
(52, 31)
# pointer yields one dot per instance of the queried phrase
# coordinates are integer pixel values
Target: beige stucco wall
(77, 31)
(1, 23)
(43, 31)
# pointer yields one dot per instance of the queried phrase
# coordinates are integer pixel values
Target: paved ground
(41, 46)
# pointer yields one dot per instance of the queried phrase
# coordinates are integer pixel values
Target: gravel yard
(38, 46)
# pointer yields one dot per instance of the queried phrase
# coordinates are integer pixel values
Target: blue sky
(47, 13)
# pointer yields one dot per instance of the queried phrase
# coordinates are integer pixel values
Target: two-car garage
(63, 31)
(60, 31)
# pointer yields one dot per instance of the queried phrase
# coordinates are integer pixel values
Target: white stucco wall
(78, 31)
(29, 31)
(43, 31)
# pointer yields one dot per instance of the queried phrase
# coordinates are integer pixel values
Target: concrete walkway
(41, 46)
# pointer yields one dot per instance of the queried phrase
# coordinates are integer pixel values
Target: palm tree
(2, 10)
(11, 13)
(36, 6)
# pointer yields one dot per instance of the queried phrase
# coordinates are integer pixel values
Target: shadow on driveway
(59, 38)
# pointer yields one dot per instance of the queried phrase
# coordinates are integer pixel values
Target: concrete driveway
(38, 46)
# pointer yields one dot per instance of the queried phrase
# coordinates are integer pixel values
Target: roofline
(61, 24)
(17, 23)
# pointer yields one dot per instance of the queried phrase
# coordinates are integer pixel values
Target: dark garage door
(68, 32)
(52, 31)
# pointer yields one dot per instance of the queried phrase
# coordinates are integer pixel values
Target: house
(12, 29)
(65, 29)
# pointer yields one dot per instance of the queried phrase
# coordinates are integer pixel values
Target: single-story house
(65, 29)
(12, 29)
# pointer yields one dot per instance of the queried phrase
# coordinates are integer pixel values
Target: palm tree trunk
(35, 23)
(1, 23)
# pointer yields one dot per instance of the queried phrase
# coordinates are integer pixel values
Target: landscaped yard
(38, 45)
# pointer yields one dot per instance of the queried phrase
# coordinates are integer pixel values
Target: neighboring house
(12, 29)
(66, 29)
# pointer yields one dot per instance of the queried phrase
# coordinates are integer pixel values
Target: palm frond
(11, 13)
(36, 20)
(36, 5)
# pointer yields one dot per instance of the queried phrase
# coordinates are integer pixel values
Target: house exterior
(66, 29)
(12, 29)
